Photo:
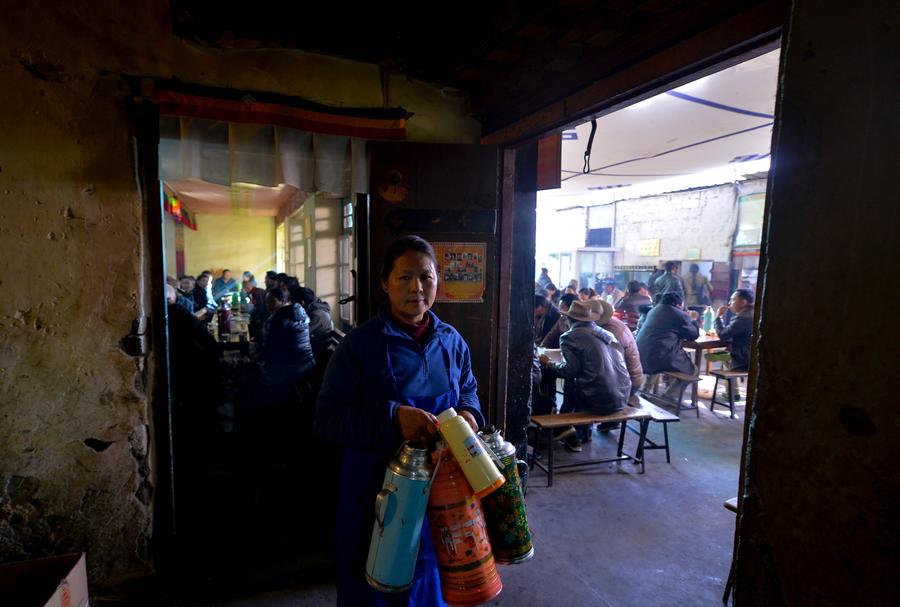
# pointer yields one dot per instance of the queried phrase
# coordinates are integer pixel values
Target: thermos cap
(447, 415)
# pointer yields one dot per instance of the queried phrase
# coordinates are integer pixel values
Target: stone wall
(821, 516)
(75, 467)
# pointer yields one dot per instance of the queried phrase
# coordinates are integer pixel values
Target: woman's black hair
(746, 295)
(276, 294)
(402, 245)
(671, 299)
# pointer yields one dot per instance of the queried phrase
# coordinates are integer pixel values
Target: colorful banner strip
(173, 207)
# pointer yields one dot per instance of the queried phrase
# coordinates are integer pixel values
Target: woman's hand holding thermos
(418, 424)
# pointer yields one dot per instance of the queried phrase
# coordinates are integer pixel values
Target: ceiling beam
(734, 40)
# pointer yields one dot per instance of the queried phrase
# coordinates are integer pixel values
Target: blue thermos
(399, 513)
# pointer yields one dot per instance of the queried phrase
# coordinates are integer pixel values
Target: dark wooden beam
(516, 319)
(731, 41)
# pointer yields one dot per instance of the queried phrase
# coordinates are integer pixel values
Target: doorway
(679, 177)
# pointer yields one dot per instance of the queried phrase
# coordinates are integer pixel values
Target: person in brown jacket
(624, 336)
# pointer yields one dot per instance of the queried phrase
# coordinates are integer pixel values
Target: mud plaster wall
(821, 519)
(74, 467)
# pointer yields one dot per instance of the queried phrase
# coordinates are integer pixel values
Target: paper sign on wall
(460, 271)
(692, 254)
(649, 248)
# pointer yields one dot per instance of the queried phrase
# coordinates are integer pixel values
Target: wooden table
(554, 354)
(704, 342)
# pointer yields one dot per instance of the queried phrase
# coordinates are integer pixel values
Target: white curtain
(228, 153)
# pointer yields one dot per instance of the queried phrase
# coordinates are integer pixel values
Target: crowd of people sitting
(291, 328)
(615, 343)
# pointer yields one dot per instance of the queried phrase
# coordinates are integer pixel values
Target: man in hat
(594, 358)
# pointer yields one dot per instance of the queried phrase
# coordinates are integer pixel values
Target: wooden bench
(658, 415)
(687, 379)
(549, 423)
(729, 378)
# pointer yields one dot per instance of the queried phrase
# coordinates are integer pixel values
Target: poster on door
(460, 271)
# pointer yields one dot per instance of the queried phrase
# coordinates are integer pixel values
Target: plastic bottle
(708, 319)
(470, 453)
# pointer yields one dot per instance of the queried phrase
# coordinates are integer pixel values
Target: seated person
(201, 298)
(587, 293)
(551, 339)
(739, 329)
(256, 298)
(625, 338)
(594, 358)
(320, 323)
(553, 294)
(610, 293)
(193, 353)
(660, 340)
(541, 403)
(633, 300)
(224, 285)
(286, 354)
(628, 308)
(545, 317)
(271, 279)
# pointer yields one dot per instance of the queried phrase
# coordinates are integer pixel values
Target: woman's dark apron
(362, 473)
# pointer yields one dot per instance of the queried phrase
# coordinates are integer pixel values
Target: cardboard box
(56, 581)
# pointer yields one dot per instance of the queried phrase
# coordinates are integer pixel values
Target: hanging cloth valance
(228, 142)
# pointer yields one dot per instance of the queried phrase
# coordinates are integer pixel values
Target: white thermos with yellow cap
(471, 453)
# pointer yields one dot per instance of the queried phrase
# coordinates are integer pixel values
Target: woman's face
(411, 286)
(273, 304)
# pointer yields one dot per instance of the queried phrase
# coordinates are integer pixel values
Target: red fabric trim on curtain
(191, 106)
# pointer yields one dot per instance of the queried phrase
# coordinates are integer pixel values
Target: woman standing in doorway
(386, 383)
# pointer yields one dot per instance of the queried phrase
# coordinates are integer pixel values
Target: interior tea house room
(304, 140)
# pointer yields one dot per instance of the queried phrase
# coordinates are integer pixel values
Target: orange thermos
(459, 534)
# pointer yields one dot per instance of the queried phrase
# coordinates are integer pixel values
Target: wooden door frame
(146, 119)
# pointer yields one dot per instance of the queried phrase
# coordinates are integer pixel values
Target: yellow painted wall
(235, 242)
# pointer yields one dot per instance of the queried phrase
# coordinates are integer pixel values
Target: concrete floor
(610, 536)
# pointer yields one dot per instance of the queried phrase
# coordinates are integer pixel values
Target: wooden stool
(686, 380)
(729, 378)
(718, 355)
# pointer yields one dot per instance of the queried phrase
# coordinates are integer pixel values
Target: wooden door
(443, 193)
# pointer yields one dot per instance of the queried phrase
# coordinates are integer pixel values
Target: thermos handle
(440, 447)
(522, 467)
(381, 504)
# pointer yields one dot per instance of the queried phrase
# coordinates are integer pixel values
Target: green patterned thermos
(504, 509)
